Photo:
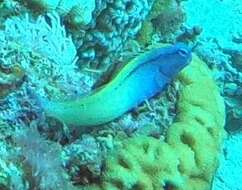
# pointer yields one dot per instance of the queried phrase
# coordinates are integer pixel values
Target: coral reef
(46, 57)
(164, 19)
(113, 24)
(142, 163)
(11, 174)
(152, 118)
(45, 39)
(83, 156)
(180, 162)
(58, 48)
(189, 34)
(229, 79)
(43, 159)
(219, 46)
(79, 12)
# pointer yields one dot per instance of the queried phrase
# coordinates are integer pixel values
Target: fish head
(174, 59)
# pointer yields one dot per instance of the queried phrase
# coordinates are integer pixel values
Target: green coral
(188, 157)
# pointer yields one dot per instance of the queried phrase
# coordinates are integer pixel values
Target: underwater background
(120, 95)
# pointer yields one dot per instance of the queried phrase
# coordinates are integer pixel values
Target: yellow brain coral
(189, 156)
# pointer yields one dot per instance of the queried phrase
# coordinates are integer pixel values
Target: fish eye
(183, 52)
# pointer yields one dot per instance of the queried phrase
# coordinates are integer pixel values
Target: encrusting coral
(189, 156)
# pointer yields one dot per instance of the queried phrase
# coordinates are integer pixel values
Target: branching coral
(189, 156)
